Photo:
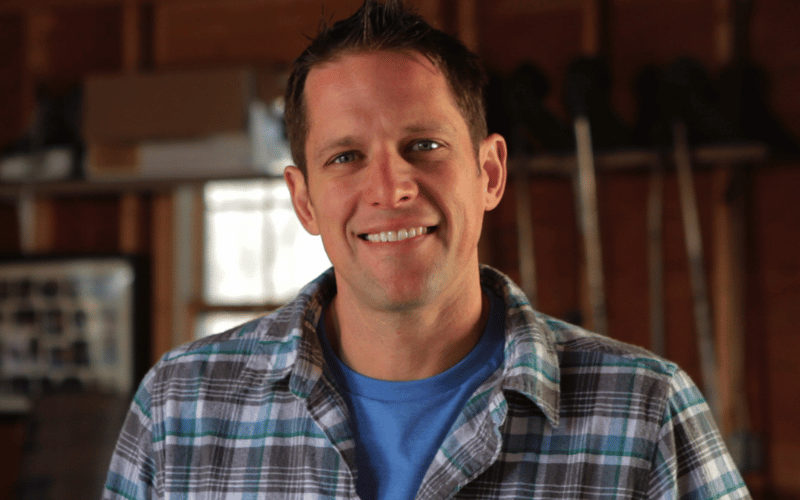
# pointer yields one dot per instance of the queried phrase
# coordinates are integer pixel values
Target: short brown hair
(389, 25)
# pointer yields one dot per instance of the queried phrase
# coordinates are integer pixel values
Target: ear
(300, 199)
(492, 156)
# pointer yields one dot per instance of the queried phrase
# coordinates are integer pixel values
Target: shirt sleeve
(131, 474)
(691, 460)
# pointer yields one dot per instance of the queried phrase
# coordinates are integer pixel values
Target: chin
(402, 299)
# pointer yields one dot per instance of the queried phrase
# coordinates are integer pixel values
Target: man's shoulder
(265, 346)
(578, 347)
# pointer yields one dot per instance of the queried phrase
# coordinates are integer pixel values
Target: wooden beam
(35, 221)
(130, 213)
(468, 24)
(37, 224)
(527, 261)
(723, 32)
(728, 295)
(27, 5)
(131, 37)
(162, 274)
(160, 36)
(591, 28)
(199, 255)
(638, 159)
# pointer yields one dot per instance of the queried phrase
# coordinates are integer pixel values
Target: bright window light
(256, 250)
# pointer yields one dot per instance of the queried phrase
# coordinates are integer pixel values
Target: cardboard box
(185, 125)
(260, 149)
(127, 109)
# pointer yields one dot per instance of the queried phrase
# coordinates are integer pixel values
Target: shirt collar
(531, 365)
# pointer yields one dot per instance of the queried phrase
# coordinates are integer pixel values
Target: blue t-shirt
(399, 426)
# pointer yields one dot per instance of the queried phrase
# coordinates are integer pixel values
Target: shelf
(12, 190)
(637, 159)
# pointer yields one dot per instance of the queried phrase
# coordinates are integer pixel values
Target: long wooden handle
(655, 256)
(587, 196)
(527, 262)
(697, 275)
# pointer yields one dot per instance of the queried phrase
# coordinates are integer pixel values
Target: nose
(390, 182)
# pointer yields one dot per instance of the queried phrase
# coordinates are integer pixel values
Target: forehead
(393, 62)
(391, 85)
(399, 72)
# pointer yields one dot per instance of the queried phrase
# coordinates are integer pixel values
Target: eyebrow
(427, 128)
(327, 148)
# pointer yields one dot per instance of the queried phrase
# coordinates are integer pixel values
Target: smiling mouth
(399, 235)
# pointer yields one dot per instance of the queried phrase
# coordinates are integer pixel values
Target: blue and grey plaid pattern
(253, 413)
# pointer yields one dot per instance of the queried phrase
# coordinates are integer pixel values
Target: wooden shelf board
(637, 159)
(80, 187)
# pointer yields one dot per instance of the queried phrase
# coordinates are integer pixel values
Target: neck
(406, 345)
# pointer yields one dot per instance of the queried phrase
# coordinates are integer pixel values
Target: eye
(425, 145)
(347, 157)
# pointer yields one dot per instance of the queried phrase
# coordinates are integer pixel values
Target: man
(408, 370)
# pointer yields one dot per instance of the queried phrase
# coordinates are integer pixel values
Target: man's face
(393, 184)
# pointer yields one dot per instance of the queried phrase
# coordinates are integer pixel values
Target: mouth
(399, 235)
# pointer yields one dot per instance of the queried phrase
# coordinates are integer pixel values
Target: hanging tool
(533, 128)
(650, 131)
(689, 101)
(588, 92)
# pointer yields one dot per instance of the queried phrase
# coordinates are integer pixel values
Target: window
(257, 254)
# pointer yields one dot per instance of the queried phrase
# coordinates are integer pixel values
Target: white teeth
(400, 235)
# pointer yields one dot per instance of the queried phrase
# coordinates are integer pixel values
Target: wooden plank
(13, 71)
(586, 195)
(468, 24)
(198, 257)
(591, 27)
(12, 190)
(162, 277)
(723, 32)
(44, 223)
(27, 5)
(131, 38)
(130, 221)
(639, 159)
(40, 24)
(187, 245)
(655, 259)
(524, 219)
(86, 223)
(729, 305)
(238, 31)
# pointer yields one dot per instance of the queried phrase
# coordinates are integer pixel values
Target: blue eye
(425, 145)
(344, 158)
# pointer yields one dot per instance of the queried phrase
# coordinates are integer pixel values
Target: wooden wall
(649, 32)
(52, 44)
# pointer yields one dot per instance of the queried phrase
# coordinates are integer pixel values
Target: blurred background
(149, 133)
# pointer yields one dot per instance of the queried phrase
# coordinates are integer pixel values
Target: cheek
(332, 206)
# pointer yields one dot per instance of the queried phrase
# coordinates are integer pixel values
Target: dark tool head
(588, 94)
(744, 99)
(525, 94)
(588, 85)
(530, 79)
(689, 96)
(652, 126)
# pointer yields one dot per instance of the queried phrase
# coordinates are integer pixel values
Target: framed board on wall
(72, 322)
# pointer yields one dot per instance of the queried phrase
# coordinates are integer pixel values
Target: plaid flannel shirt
(253, 413)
